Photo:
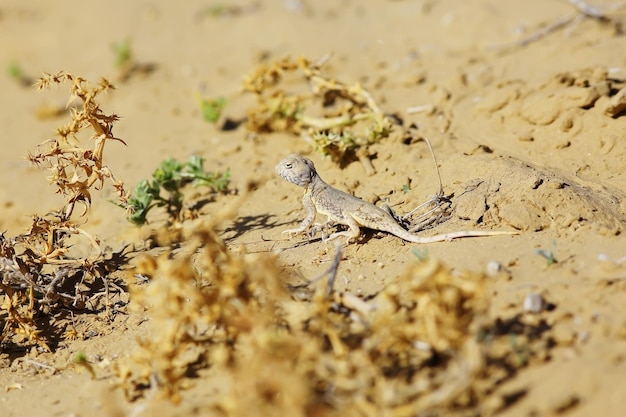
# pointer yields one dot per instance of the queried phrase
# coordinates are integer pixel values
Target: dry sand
(524, 136)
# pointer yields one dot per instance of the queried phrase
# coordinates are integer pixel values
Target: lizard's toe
(291, 232)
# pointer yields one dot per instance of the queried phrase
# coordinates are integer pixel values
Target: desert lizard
(343, 208)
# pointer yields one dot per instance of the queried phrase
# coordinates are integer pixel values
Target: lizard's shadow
(246, 224)
(369, 234)
(365, 236)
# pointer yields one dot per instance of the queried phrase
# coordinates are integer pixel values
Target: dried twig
(332, 271)
(583, 10)
(433, 211)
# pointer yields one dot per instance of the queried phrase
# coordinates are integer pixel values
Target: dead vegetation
(424, 345)
(50, 264)
(293, 96)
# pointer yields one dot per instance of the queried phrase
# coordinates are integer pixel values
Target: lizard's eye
(288, 165)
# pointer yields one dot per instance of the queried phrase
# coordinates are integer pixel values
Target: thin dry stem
(584, 11)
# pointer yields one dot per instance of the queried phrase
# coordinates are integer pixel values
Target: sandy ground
(529, 137)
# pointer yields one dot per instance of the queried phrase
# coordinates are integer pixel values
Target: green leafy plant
(165, 188)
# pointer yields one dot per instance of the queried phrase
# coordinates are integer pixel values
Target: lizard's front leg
(322, 227)
(308, 204)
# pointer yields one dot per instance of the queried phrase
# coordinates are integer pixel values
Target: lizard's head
(296, 169)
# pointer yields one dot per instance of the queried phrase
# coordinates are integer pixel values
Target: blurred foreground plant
(411, 349)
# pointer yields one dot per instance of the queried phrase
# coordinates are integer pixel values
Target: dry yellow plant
(73, 169)
(412, 348)
(202, 300)
(344, 123)
(49, 264)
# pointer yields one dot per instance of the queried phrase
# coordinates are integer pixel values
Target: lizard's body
(343, 208)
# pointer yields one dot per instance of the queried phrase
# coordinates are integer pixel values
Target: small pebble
(533, 303)
(584, 336)
(493, 267)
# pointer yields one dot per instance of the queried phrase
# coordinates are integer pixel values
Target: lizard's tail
(458, 235)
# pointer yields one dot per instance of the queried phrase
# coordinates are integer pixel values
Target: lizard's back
(339, 206)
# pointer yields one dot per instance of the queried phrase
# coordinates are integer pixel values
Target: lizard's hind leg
(352, 233)
(401, 220)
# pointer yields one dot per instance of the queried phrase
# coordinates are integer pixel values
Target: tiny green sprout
(421, 254)
(123, 53)
(211, 108)
(15, 71)
(80, 359)
(549, 255)
(216, 10)
(522, 352)
(406, 188)
(165, 188)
